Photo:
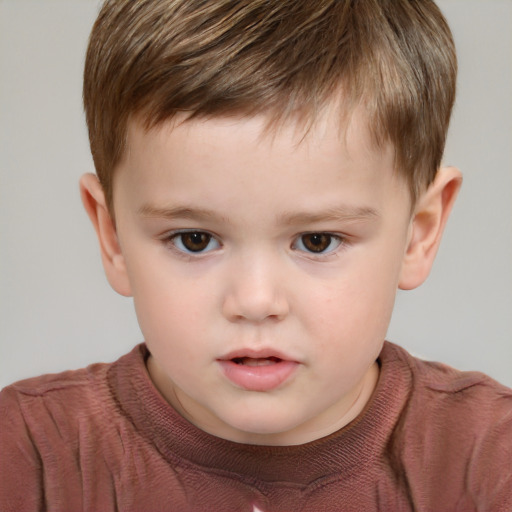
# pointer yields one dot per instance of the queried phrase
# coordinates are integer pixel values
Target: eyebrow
(180, 212)
(341, 213)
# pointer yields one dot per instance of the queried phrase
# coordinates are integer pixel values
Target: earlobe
(93, 199)
(427, 225)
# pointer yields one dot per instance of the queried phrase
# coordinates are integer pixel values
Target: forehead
(252, 165)
(333, 128)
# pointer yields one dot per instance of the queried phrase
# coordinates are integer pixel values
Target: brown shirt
(103, 438)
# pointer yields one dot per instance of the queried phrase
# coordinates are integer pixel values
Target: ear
(95, 205)
(427, 225)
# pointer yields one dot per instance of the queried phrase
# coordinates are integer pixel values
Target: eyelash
(338, 240)
(175, 240)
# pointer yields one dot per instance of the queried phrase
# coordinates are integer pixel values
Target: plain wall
(56, 309)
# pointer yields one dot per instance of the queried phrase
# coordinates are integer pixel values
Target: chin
(260, 430)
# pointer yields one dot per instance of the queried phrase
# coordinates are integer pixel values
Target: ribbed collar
(350, 449)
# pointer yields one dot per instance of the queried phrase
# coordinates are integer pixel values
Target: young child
(269, 174)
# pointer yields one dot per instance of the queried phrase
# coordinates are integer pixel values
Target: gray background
(56, 309)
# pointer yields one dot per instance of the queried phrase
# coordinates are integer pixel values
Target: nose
(255, 291)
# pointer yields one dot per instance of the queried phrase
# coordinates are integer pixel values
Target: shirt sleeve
(21, 486)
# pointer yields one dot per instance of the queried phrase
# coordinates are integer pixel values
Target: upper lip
(262, 353)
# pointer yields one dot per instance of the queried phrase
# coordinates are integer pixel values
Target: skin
(256, 203)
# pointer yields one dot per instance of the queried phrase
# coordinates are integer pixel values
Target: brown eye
(318, 242)
(195, 241)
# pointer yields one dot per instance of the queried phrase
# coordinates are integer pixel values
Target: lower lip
(258, 378)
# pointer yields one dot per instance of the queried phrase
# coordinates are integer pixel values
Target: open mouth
(259, 361)
(257, 371)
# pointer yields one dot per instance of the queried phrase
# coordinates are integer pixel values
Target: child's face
(264, 270)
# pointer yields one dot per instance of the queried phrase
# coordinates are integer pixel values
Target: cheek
(354, 310)
(169, 306)
(172, 326)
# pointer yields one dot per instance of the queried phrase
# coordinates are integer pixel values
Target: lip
(258, 376)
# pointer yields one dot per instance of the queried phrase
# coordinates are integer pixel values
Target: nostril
(255, 308)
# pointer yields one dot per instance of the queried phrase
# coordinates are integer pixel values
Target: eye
(194, 242)
(318, 243)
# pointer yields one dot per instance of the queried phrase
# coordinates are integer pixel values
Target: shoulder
(48, 384)
(50, 430)
(439, 379)
(53, 427)
(56, 403)
(439, 385)
(38, 433)
(47, 411)
(441, 397)
(455, 431)
(441, 402)
(72, 388)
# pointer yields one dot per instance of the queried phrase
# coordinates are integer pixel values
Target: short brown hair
(156, 58)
